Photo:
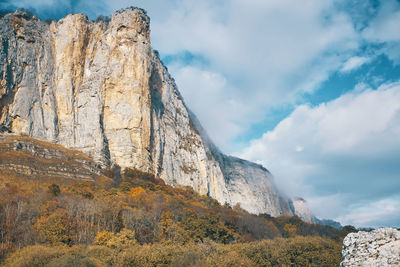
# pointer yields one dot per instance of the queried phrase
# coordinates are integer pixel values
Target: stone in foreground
(380, 247)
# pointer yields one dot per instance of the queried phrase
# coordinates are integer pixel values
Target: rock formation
(302, 210)
(100, 88)
(22, 156)
(380, 247)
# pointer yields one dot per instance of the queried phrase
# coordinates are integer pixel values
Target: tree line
(134, 212)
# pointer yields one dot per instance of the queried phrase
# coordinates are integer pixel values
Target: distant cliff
(100, 88)
(302, 210)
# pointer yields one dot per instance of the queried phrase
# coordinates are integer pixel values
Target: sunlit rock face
(100, 88)
(380, 247)
(302, 210)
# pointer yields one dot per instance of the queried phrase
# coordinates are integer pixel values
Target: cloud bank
(346, 151)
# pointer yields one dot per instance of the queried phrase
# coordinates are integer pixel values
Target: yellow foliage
(159, 213)
(136, 191)
(54, 229)
(34, 256)
(124, 251)
(290, 230)
(103, 237)
(119, 241)
(170, 231)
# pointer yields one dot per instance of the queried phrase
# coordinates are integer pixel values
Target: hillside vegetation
(132, 218)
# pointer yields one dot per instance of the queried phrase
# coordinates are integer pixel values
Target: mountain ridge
(100, 88)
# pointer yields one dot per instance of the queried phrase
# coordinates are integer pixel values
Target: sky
(310, 89)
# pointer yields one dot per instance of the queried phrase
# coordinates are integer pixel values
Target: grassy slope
(85, 222)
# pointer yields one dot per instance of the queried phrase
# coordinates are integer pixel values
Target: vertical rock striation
(98, 87)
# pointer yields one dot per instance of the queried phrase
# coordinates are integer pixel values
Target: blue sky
(310, 89)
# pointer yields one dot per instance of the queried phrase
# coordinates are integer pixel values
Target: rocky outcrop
(380, 247)
(39, 160)
(302, 210)
(100, 88)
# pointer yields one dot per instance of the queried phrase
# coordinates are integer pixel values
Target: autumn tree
(54, 189)
(55, 228)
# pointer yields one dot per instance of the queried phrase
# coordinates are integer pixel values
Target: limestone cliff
(302, 210)
(100, 88)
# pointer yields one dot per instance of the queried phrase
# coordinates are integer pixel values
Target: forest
(132, 218)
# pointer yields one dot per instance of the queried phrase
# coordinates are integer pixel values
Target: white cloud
(354, 63)
(385, 26)
(382, 212)
(350, 148)
(333, 205)
(211, 92)
(384, 29)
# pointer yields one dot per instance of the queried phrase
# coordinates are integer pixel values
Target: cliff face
(302, 210)
(98, 87)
